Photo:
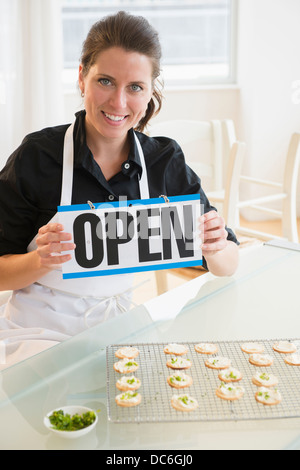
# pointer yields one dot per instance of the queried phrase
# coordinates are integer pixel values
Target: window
(197, 36)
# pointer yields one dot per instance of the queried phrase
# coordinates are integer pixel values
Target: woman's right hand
(51, 242)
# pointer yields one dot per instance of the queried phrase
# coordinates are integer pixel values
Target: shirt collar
(134, 157)
(82, 151)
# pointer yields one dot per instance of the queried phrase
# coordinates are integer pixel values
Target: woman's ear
(81, 80)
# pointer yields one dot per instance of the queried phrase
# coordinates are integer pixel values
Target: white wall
(268, 67)
(264, 105)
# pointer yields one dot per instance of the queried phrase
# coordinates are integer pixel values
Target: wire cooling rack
(156, 393)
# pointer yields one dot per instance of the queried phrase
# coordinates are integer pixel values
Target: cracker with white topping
(262, 379)
(128, 383)
(267, 396)
(292, 360)
(284, 347)
(218, 363)
(230, 392)
(126, 366)
(261, 360)
(176, 349)
(128, 399)
(184, 402)
(206, 348)
(252, 348)
(179, 362)
(179, 380)
(230, 375)
(127, 351)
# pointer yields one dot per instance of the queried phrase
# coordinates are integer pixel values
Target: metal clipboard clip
(91, 205)
(165, 198)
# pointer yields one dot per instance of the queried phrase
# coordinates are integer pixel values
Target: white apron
(53, 309)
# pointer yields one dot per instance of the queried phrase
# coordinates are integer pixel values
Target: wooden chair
(211, 162)
(229, 196)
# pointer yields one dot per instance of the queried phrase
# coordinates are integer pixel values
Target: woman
(98, 158)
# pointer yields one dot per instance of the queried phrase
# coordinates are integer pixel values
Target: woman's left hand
(213, 233)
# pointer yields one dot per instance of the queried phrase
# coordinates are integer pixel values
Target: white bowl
(71, 410)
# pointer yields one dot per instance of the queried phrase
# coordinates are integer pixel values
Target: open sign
(132, 236)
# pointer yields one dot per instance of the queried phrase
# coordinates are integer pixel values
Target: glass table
(260, 302)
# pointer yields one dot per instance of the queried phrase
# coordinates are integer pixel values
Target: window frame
(201, 81)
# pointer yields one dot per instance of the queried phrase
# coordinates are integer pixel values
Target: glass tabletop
(259, 302)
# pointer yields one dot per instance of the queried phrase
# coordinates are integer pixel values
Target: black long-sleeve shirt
(30, 182)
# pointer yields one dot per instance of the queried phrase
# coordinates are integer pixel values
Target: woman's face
(117, 90)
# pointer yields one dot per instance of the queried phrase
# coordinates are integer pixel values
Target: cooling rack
(157, 394)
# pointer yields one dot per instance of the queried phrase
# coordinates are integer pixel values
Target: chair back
(202, 145)
(232, 183)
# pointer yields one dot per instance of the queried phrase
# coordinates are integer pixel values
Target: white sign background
(132, 236)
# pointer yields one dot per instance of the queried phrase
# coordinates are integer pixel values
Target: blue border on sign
(125, 203)
(139, 269)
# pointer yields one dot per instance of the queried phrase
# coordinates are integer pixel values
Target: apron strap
(144, 187)
(68, 163)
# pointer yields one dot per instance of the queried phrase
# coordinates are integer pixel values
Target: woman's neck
(107, 152)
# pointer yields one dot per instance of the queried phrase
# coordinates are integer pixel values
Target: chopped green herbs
(185, 399)
(66, 422)
(132, 381)
(264, 376)
(128, 395)
(176, 378)
(265, 395)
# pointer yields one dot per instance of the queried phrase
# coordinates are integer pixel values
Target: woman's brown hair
(134, 34)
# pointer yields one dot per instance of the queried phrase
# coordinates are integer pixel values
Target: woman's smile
(115, 119)
(112, 117)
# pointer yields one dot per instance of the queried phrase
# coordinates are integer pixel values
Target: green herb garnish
(265, 395)
(128, 395)
(66, 422)
(185, 399)
(264, 376)
(131, 381)
(232, 375)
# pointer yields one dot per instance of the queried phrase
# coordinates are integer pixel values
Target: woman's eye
(136, 88)
(104, 81)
